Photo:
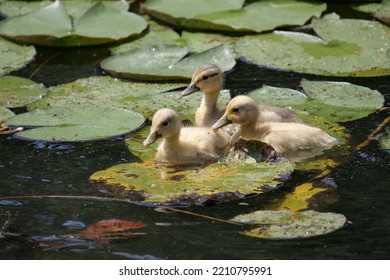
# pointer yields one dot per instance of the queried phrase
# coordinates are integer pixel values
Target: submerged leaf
(285, 224)
(53, 26)
(165, 62)
(13, 56)
(77, 123)
(107, 230)
(18, 92)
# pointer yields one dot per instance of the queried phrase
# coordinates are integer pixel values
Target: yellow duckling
(184, 145)
(208, 78)
(295, 141)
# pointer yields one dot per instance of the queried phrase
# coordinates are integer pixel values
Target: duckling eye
(165, 123)
(235, 110)
(205, 77)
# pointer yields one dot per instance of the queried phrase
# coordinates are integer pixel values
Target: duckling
(208, 78)
(295, 141)
(184, 145)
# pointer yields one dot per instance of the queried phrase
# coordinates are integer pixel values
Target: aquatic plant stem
(372, 134)
(119, 200)
(43, 64)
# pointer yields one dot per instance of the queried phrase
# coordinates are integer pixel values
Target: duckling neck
(209, 101)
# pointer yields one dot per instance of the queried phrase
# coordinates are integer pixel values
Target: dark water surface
(38, 224)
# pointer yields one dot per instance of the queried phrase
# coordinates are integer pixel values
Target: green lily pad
(199, 42)
(231, 16)
(100, 24)
(153, 183)
(165, 62)
(284, 97)
(156, 35)
(5, 114)
(78, 123)
(362, 51)
(178, 12)
(18, 92)
(74, 8)
(379, 10)
(144, 98)
(259, 16)
(384, 140)
(340, 101)
(285, 224)
(13, 56)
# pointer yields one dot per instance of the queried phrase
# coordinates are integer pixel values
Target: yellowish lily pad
(286, 224)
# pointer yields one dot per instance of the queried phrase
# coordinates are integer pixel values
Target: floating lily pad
(285, 224)
(144, 98)
(278, 96)
(74, 8)
(100, 24)
(384, 140)
(157, 35)
(379, 10)
(178, 12)
(76, 123)
(259, 16)
(18, 92)
(199, 42)
(5, 114)
(340, 101)
(231, 16)
(13, 56)
(165, 62)
(151, 183)
(362, 51)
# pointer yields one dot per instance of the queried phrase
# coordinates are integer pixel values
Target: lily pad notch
(99, 25)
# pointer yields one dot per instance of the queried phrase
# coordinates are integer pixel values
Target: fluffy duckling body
(184, 145)
(295, 141)
(208, 78)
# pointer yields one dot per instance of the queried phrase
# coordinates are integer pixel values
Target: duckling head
(207, 78)
(165, 123)
(241, 110)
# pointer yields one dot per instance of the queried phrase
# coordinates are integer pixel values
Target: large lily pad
(156, 35)
(74, 8)
(165, 62)
(335, 101)
(77, 123)
(18, 92)
(144, 98)
(13, 56)
(259, 16)
(177, 12)
(340, 101)
(285, 224)
(53, 26)
(230, 16)
(362, 51)
(152, 183)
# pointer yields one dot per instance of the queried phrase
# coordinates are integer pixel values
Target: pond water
(46, 228)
